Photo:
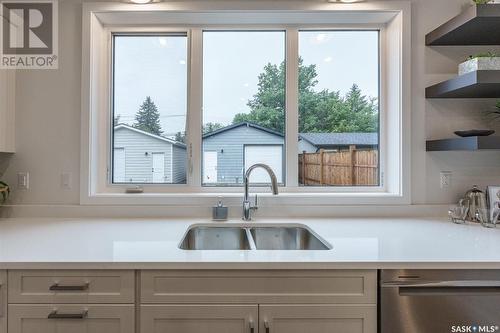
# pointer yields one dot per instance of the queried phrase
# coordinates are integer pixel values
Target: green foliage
(4, 192)
(323, 111)
(180, 137)
(481, 2)
(148, 118)
(211, 127)
(488, 54)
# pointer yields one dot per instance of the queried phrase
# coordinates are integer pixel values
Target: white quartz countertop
(153, 244)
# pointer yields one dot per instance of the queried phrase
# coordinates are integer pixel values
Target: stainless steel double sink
(252, 237)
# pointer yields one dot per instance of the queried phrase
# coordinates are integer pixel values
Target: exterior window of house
(149, 108)
(243, 105)
(338, 108)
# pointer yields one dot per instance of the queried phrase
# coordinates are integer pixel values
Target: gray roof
(159, 137)
(247, 124)
(340, 139)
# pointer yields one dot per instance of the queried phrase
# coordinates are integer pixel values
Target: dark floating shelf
(471, 143)
(478, 25)
(478, 84)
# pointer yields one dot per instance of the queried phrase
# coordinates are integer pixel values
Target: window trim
(97, 55)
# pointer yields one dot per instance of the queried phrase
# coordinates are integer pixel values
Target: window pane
(338, 108)
(243, 105)
(150, 106)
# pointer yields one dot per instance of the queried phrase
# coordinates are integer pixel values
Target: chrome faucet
(247, 206)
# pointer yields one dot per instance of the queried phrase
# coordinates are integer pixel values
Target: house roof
(247, 124)
(340, 139)
(175, 143)
(316, 139)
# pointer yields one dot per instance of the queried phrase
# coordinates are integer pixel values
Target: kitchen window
(199, 104)
(243, 105)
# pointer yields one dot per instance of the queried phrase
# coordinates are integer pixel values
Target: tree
(148, 118)
(320, 111)
(211, 127)
(117, 120)
(180, 137)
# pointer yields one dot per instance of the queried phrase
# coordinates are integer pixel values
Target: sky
(232, 61)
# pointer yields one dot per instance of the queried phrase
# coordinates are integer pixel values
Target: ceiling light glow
(141, 2)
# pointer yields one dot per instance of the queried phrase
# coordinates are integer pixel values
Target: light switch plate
(66, 180)
(23, 180)
(445, 179)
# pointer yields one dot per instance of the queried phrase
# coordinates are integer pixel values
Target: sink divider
(250, 239)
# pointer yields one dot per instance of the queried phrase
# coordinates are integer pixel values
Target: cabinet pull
(58, 287)
(252, 327)
(266, 326)
(55, 315)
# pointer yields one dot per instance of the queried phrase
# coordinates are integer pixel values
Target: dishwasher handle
(444, 284)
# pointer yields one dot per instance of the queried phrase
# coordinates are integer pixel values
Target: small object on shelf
(219, 212)
(482, 62)
(471, 143)
(469, 133)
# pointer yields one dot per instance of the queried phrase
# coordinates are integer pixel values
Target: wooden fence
(339, 168)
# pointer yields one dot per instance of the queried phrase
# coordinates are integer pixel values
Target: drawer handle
(58, 287)
(266, 326)
(56, 315)
(252, 327)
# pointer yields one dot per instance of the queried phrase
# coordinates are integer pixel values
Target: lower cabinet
(3, 302)
(258, 318)
(339, 318)
(199, 318)
(71, 318)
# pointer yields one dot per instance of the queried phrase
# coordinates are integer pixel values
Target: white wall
(48, 117)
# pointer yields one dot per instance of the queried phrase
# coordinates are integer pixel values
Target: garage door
(271, 155)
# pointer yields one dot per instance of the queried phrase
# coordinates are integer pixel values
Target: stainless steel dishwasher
(439, 301)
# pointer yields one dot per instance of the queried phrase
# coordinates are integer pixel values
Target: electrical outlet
(445, 178)
(23, 180)
(66, 180)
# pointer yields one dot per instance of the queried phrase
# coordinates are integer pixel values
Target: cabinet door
(71, 318)
(3, 302)
(318, 318)
(199, 318)
(7, 111)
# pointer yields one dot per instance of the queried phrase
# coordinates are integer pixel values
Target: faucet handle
(256, 203)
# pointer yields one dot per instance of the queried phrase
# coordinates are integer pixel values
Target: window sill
(234, 199)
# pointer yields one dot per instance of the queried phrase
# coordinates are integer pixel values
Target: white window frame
(101, 20)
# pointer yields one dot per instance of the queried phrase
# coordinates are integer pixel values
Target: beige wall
(48, 117)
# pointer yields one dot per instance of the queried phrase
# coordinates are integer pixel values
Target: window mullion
(195, 100)
(292, 106)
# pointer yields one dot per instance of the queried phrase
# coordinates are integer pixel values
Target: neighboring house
(142, 157)
(313, 142)
(229, 151)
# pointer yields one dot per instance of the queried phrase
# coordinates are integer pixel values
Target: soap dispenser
(219, 212)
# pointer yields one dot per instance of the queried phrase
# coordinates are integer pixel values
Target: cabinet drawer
(181, 318)
(35, 286)
(290, 286)
(71, 318)
(318, 318)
